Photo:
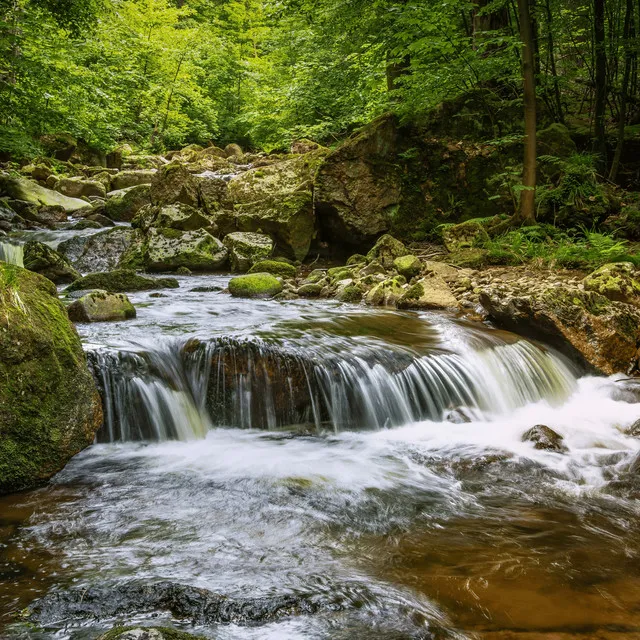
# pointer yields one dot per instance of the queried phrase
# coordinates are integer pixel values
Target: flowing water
(364, 467)
(11, 253)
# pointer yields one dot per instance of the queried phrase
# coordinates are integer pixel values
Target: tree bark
(527, 211)
(600, 55)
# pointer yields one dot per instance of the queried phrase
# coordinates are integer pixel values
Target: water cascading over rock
(11, 253)
(182, 389)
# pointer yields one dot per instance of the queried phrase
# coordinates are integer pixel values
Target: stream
(334, 471)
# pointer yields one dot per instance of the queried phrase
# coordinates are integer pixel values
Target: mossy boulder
(124, 204)
(127, 179)
(32, 193)
(386, 250)
(169, 249)
(80, 188)
(42, 259)
(100, 306)
(615, 281)
(104, 251)
(121, 280)
(309, 290)
(245, 249)
(274, 267)
(171, 216)
(428, 293)
(147, 633)
(288, 219)
(255, 285)
(555, 140)
(174, 184)
(49, 405)
(386, 293)
(408, 266)
(351, 293)
(465, 235)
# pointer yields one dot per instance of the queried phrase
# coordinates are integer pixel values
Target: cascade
(179, 390)
(11, 253)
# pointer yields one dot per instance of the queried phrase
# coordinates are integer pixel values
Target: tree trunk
(552, 63)
(527, 211)
(629, 37)
(600, 55)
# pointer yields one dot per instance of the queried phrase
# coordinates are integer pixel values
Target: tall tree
(601, 90)
(527, 212)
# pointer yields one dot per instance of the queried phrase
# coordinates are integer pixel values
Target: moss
(49, 406)
(310, 290)
(352, 293)
(121, 280)
(414, 292)
(282, 269)
(356, 258)
(408, 266)
(255, 285)
(100, 306)
(386, 250)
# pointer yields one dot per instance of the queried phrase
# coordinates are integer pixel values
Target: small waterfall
(183, 389)
(11, 253)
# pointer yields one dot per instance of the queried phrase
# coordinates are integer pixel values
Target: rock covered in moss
(31, 192)
(104, 251)
(49, 405)
(147, 633)
(555, 140)
(615, 281)
(310, 290)
(132, 178)
(350, 292)
(120, 281)
(123, 205)
(245, 249)
(169, 249)
(255, 285)
(80, 188)
(428, 293)
(42, 259)
(275, 267)
(386, 250)
(585, 325)
(100, 306)
(545, 439)
(408, 266)
(173, 184)
(464, 235)
(386, 293)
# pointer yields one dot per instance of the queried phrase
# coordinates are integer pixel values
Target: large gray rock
(31, 192)
(42, 259)
(174, 184)
(172, 216)
(170, 249)
(100, 306)
(123, 205)
(106, 250)
(245, 249)
(80, 188)
(126, 179)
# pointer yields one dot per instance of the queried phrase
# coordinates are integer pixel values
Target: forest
(319, 319)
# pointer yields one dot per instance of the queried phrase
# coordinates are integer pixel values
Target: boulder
(213, 193)
(615, 281)
(104, 251)
(428, 293)
(545, 439)
(304, 145)
(60, 146)
(441, 269)
(126, 179)
(124, 204)
(465, 235)
(351, 293)
(147, 633)
(310, 290)
(386, 293)
(177, 216)
(408, 266)
(169, 249)
(42, 259)
(233, 151)
(32, 193)
(555, 140)
(386, 250)
(358, 188)
(87, 224)
(121, 280)
(289, 220)
(80, 188)
(100, 306)
(174, 184)
(274, 267)
(586, 326)
(49, 405)
(100, 219)
(633, 430)
(245, 249)
(255, 285)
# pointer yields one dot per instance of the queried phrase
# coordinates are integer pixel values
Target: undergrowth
(548, 246)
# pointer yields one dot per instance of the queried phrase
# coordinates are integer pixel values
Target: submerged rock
(49, 405)
(245, 249)
(42, 259)
(121, 280)
(633, 430)
(147, 633)
(100, 306)
(255, 285)
(545, 438)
